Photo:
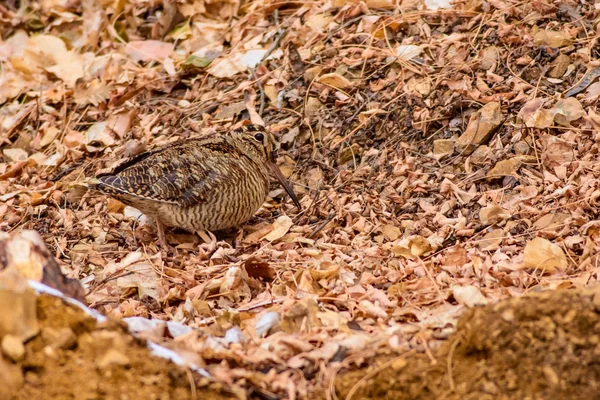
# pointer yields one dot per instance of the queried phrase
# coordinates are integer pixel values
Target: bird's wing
(184, 174)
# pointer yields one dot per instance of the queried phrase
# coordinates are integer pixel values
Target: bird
(199, 184)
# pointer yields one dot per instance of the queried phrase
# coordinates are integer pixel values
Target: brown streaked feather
(180, 174)
(204, 183)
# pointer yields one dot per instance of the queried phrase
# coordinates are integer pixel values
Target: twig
(322, 225)
(449, 361)
(280, 35)
(261, 89)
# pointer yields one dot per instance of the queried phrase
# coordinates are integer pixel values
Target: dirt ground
(74, 357)
(543, 346)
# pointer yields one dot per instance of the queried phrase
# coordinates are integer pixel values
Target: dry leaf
(281, 226)
(258, 269)
(534, 116)
(335, 80)
(149, 50)
(390, 232)
(469, 296)
(407, 52)
(491, 240)
(412, 247)
(567, 110)
(543, 255)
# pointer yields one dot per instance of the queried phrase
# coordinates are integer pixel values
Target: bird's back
(198, 184)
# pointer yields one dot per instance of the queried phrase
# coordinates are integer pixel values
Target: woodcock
(203, 184)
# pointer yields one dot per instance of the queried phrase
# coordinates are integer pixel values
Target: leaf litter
(445, 157)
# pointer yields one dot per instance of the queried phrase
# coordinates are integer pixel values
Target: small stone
(552, 38)
(508, 315)
(133, 147)
(12, 379)
(482, 126)
(399, 364)
(443, 147)
(268, 321)
(113, 357)
(480, 155)
(13, 348)
(522, 148)
(490, 387)
(18, 315)
(62, 338)
(551, 376)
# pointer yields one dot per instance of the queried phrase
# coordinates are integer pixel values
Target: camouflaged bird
(203, 184)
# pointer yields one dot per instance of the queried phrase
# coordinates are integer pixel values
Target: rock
(443, 147)
(17, 306)
(112, 357)
(550, 38)
(268, 321)
(482, 126)
(480, 155)
(13, 348)
(12, 380)
(522, 148)
(63, 338)
(505, 168)
(26, 253)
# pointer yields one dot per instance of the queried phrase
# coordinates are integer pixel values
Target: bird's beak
(277, 172)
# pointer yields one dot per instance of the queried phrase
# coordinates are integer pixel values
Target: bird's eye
(259, 137)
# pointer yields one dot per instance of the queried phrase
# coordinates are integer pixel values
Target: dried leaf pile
(445, 158)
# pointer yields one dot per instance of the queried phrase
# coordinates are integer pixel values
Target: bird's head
(260, 146)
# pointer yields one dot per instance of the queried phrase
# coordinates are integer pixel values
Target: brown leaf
(149, 50)
(545, 256)
(259, 269)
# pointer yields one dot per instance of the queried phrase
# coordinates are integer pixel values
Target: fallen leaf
(407, 52)
(390, 232)
(149, 50)
(258, 269)
(412, 247)
(335, 80)
(567, 110)
(491, 240)
(534, 115)
(542, 255)
(281, 226)
(469, 296)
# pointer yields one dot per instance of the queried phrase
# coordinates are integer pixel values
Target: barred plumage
(199, 184)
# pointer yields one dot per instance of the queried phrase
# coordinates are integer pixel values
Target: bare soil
(543, 346)
(74, 357)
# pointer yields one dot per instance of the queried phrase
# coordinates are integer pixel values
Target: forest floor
(445, 159)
